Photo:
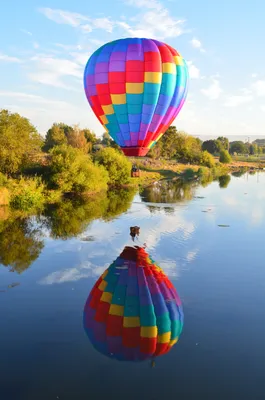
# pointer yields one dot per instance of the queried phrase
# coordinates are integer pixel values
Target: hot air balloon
(136, 88)
(133, 312)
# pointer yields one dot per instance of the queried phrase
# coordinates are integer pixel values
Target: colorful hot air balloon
(133, 312)
(136, 88)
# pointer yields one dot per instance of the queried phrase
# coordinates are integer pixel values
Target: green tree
(72, 171)
(238, 147)
(56, 136)
(19, 142)
(109, 142)
(188, 148)
(212, 146)
(207, 159)
(117, 165)
(168, 142)
(90, 136)
(224, 142)
(253, 149)
(225, 157)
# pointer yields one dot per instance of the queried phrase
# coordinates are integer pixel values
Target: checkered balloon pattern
(133, 312)
(136, 88)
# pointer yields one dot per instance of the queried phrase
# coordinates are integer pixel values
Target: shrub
(225, 157)
(71, 171)
(27, 194)
(207, 159)
(4, 196)
(117, 165)
(3, 180)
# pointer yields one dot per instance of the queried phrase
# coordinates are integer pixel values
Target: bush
(117, 165)
(71, 171)
(3, 180)
(207, 159)
(225, 157)
(27, 194)
(4, 196)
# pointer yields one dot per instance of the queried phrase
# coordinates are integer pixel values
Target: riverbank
(28, 194)
(154, 170)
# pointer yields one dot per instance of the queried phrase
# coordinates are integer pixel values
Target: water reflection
(133, 312)
(20, 243)
(21, 239)
(224, 181)
(72, 217)
(169, 191)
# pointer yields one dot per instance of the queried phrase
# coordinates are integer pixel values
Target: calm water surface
(210, 243)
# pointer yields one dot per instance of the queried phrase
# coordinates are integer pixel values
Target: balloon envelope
(136, 88)
(133, 312)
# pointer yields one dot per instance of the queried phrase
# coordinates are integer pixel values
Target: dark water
(210, 243)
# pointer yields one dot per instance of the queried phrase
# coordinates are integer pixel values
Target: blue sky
(44, 47)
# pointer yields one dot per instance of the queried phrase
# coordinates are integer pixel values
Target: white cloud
(6, 58)
(254, 75)
(192, 254)
(153, 28)
(32, 98)
(80, 58)
(259, 88)
(36, 45)
(234, 101)
(103, 23)
(76, 20)
(64, 17)
(153, 4)
(50, 71)
(194, 72)
(214, 91)
(197, 45)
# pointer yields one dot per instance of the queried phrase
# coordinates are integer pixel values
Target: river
(209, 241)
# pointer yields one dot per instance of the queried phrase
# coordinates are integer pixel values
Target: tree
(76, 138)
(72, 171)
(207, 159)
(224, 142)
(19, 142)
(188, 149)
(168, 142)
(117, 165)
(90, 136)
(253, 149)
(225, 157)
(56, 136)
(212, 146)
(238, 147)
(109, 142)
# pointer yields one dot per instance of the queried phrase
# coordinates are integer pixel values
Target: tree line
(70, 160)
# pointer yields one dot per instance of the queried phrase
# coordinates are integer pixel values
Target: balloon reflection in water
(133, 312)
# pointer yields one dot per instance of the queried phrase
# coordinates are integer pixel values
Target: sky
(44, 47)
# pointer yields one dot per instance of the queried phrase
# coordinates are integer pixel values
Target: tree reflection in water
(20, 243)
(21, 240)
